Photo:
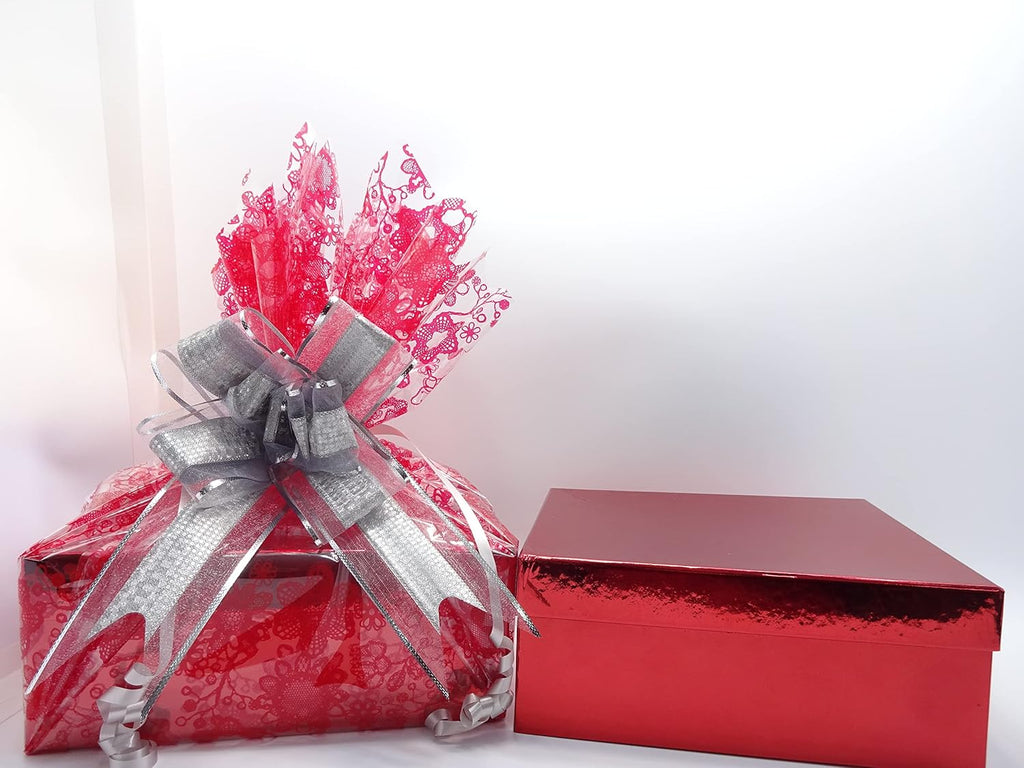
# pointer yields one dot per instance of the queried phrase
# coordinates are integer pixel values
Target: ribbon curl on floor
(274, 429)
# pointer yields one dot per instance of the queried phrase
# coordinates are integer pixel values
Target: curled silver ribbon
(121, 709)
(477, 710)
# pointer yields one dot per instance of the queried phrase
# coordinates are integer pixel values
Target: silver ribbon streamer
(154, 588)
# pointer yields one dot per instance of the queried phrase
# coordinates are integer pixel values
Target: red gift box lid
(826, 568)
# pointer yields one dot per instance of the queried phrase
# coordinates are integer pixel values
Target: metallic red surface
(804, 629)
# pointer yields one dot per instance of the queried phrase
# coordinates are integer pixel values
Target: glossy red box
(818, 630)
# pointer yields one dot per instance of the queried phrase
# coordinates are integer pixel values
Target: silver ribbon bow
(274, 429)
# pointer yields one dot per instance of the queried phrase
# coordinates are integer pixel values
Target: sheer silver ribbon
(273, 429)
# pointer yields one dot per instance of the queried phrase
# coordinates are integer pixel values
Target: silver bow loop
(221, 356)
(208, 454)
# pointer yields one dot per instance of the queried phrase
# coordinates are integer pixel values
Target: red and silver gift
(291, 565)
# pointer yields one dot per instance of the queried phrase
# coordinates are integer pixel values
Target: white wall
(758, 248)
(63, 420)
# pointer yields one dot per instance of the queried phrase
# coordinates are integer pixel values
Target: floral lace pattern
(276, 254)
(469, 309)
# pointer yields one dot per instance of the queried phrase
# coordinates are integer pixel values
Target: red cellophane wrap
(296, 646)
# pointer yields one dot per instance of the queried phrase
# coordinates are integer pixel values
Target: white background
(768, 248)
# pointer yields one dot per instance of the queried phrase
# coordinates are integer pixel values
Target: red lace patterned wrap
(296, 647)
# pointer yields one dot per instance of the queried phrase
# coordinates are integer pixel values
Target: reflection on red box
(818, 630)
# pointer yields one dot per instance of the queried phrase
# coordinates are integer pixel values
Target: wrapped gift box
(817, 630)
(288, 570)
(296, 646)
